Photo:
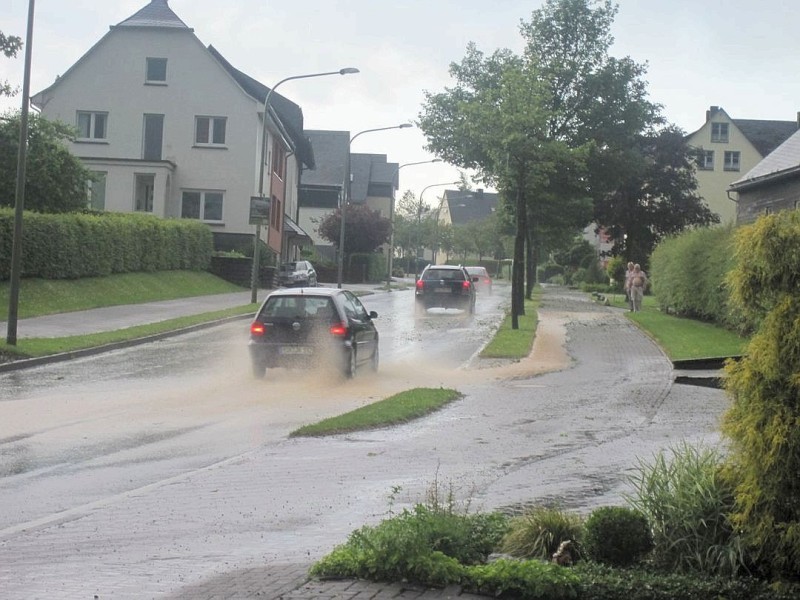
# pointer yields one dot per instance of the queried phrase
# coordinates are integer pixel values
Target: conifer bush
(764, 419)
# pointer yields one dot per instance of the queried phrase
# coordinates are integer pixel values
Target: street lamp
(391, 216)
(346, 197)
(256, 253)
(419, 219)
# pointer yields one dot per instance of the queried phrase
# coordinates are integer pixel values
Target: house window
(96, 191)
(156, 70)
(732, 160)
(719, 133)
(278, 161)
(92, 125)
(706, 160)
(276, 213)
(144, 190)
(209, 130)
(202, 205)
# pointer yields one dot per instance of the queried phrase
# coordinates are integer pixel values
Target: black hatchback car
(444, 286)
(313, 327)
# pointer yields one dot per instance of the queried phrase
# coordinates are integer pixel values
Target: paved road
(570, 437)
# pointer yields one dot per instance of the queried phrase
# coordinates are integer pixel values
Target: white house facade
(168, 127)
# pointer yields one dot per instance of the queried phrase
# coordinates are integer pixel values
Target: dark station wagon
(444, 286)
(313, 327)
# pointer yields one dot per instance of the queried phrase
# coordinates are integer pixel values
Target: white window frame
(733, 160)
(706, 160)
(202, 208)
(93, 119)
(722, 133)
(151, 60)
(96, 189)
(214, 123)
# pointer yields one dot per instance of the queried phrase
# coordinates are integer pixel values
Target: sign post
(259, 215)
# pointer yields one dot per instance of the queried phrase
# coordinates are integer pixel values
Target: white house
(169, 127)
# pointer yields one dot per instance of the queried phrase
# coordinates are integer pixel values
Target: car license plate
(303, 350)
(442, 290)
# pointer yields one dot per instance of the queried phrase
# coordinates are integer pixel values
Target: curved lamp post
(419, 219)
(391, 216)
(256, 253)
(346, 198)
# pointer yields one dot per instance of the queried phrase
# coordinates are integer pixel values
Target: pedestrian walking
(637, 287)
(628, 277)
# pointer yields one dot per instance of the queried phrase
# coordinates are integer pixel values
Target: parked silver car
(300, 273)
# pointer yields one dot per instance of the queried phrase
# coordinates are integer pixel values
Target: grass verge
(35, 347)
(516, 343)
(683, 338)
(394, 410)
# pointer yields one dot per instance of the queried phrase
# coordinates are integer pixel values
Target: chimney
(798, 119)
(480, 190)
(710, 112)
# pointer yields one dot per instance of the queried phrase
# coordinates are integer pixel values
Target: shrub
(686, 502)
(526, 580)
(765, 387)
(425, 545)
(616, 536)
(538, 532)
(601, 582)
(689, 275)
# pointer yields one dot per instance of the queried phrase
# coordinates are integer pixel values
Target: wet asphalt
(570, 438)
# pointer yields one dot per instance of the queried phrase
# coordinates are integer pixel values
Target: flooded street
(138, 473)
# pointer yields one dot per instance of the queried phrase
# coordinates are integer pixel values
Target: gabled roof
(284, 111)
(156, 14)
(783, 161)
(370, 171)
(468, 206)
(765, 135)
(330, 158)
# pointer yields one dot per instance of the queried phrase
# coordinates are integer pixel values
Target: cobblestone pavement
(251, 527)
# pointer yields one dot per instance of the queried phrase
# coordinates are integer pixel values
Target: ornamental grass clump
(687, 502)
(539, 531)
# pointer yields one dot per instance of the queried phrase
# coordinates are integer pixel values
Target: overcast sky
(740, 55)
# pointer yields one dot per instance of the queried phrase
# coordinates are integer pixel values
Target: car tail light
(338, 329)
(420, 285)
(257, 329)
(465, 284)
(487, 280)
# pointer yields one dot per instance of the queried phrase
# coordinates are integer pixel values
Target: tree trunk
(518, 270)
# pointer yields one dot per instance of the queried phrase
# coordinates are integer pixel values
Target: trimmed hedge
(688, 274)
(75, 245)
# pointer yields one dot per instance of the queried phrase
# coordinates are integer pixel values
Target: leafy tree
(365, 229)
(651, 192)
(9, 45)
(55, 178)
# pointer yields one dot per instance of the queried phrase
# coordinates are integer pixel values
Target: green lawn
(683, 338)
(50, 296)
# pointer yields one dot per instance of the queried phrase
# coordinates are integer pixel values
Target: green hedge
(71, 246)
(688, 275)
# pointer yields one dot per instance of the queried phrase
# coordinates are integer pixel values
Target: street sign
(259, 210)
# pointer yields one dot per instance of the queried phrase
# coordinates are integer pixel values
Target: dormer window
(156, 71)
(719, 133)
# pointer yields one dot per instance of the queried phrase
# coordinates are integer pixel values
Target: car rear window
(452, 274)
(476, 271)
(299, 307)
(288, 267)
